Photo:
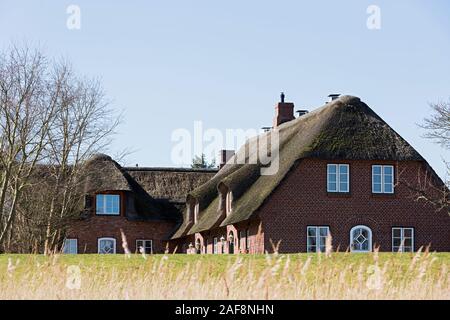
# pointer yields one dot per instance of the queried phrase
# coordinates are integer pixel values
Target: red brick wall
(88, 231)
(301, 200)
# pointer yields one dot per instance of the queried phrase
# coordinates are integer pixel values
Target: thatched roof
(105, 174)
(172, 184)
(345, 128)
(154, 193)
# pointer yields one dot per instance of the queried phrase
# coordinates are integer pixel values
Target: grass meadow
(420, 275)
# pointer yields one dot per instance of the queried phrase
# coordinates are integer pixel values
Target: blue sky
(167, 64)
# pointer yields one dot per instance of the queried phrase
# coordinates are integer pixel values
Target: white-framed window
(215, 249)
(106, 245)
(382, 179)
(107, 204)
(316, 238)
(402, 239)
(70, 246)
(146, 245)
(338, 178)
(361, 239)
(228, 201)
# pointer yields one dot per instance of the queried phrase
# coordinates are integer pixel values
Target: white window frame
(215, 248)
(228, 202)
(196, 211)
(69, 247)
(106, 238)
(317, 236)
(401, 248)
(383, 182)
(145, 245)
(370, 238)
(338, 177)
(105, 196)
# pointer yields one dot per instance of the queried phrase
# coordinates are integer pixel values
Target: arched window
(360, 239)
(198, 246)
(106, 245)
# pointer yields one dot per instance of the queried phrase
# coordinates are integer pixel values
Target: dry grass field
(419, 275)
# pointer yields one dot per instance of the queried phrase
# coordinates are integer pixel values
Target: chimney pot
(302, 112)
(333, 96)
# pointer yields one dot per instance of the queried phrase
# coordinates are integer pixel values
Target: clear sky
(169, 63)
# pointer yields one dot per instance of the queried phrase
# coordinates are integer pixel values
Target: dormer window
(228, 201)
(107, 204)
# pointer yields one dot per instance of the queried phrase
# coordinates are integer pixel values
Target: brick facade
(302, 200)
(88, 231)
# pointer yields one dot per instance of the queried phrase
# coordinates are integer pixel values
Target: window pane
(376, 187)
(407, 242)
(332, 186)
(396, 242)
(323, 231)
(332, 177)
(388, 170)
(99, 203)
(332, 168)
(107, 246)
(377, 179)
(396, 232)
(376, 170)
(312, 240)
(407, 232)
(70, 246)
(343, 169)
(343, 187)
(388, 188)
(312, 231)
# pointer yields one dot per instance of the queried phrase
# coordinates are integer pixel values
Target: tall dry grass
(323, 276)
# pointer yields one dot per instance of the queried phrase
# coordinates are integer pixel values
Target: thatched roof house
(345, 128)
(153, 193)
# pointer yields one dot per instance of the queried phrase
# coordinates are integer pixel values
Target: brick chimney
(284, 112)
(224, 156)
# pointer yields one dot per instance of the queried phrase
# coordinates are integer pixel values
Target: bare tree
(429, 187)
(438, 124)
(84, 126)
(51, 122)
(27, 110)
